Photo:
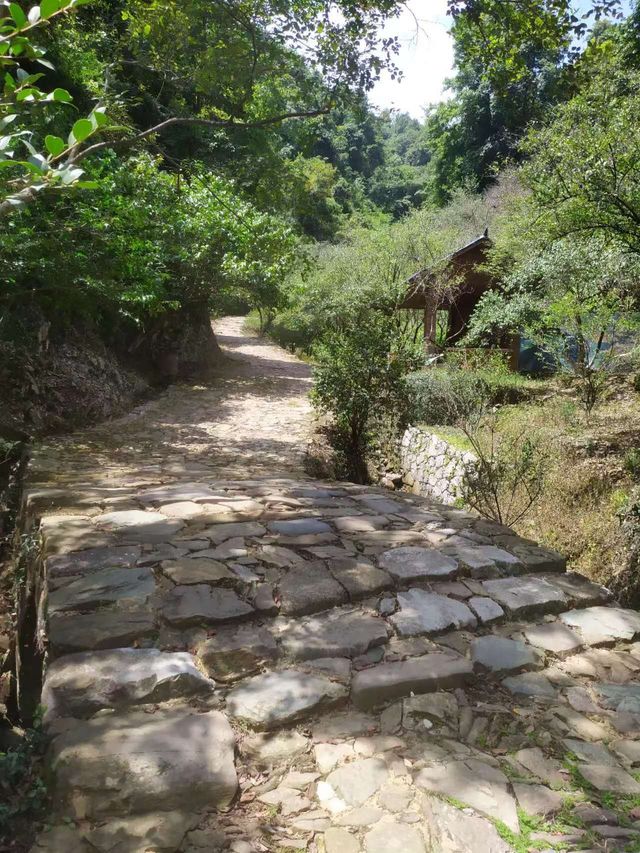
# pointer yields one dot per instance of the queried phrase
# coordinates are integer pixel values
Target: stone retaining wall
(432, 467)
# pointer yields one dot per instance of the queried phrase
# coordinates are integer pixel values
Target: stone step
(173, 759)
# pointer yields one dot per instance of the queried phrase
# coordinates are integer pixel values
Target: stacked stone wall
(432, 467)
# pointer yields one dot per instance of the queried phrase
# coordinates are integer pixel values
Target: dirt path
(252, 419)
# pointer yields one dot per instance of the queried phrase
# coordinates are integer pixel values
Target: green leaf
(6, 120)
(48, 7)
(98, 118)
(18, 15)
(54, 144)
(61, 95)
(34, 14)
(80, 130)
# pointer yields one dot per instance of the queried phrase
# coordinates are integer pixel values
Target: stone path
(269, 663)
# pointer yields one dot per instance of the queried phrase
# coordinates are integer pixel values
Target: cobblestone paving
(271, 663)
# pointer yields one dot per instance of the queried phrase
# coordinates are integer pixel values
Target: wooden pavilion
(455, 289)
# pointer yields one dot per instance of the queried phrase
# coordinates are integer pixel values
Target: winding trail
(240, 658)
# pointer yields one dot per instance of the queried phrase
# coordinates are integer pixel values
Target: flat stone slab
(339, 633)
(606, 778)
(624, 698)
(580, 590)
(78, 685)
(553, 637)
(535, 558)
(276, 698)
(413, 563)
(220, 533)
(92, 560)
(299, 527)
(422, 612)
(356, 782)
(424, 674)
(525, 595)
(171, 759)
(450, 830)
(138, 525)
(309, 589)
(480, 786)
(538, 799)
(394, 837)
(359, 577)
(603, 624)
(592, 753)
(235, 652)
(503, 656)
(487, 610)
(360, 523)
(202, 604)
(125, 587)
(190, 570)
(161, 831)
(108, 629)
(532, 684)
(177, 492)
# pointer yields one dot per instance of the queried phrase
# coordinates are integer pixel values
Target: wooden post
(430, 309)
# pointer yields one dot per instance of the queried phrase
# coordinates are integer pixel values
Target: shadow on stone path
(243, 659)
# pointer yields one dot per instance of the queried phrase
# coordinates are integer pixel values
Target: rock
(329, 755)
(275, 555)
(144, 762)
(202, 604)
(502, 656)
(534, 558)
(339, 633)
(139, 526)
(263, 600)
(268, 748)
(603, 624)
(235, 652)
(487, 610)
(363, 816)
(299, 527)
(590, 814)
(394, 837)
(195, 570)
(270, 700)
(538, 799)
(532, 684)
(553, 637)
(376, 744)
(309, 589)
(592, 753)
(350, 724)
(580, 700)
(60, 838)
(64, 533)
(525, 596)
(126, 587)
(160, 832)
(619, 697)
(579, 590)
(477, 784)
(290, 800)
(441, 706)
(628, 750)
(450, 830)
(359, 577)
(413, 563)
(606, 778)
(360, 523)
(395, 798)
(339, 668)
(229, 550)
(79, 685)
(548, 770)
(338, 840)
(424, 674)
(177, 492)
(92, 560)
(220, 533)
(423, 612)
(109, 629)
(356, 782)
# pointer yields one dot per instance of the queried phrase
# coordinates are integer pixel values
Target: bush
(443, 396)
(360, 381)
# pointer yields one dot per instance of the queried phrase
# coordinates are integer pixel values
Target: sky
(425, 58)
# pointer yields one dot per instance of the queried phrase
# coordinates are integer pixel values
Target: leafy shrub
(443, 396)
(360, 381)
(632, 463)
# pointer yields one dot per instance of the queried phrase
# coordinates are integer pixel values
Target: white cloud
(425, 58)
